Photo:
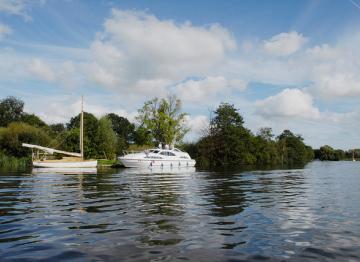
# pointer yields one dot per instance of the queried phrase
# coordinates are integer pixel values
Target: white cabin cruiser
(158, 157)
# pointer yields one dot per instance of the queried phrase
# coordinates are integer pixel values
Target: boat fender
(179, 164)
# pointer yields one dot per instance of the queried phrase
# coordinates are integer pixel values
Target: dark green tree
(11, 110)
(32, 120)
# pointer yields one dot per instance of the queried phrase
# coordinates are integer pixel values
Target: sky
(283, 64)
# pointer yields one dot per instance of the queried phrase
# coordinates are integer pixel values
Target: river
(309, 214)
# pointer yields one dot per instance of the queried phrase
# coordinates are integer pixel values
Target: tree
(226, 116)
(124, 130)
(292, 149)
(71, 137)
(265, 133)
(143, 136)
(163, 117)
(106, 138)
(11, 110)
(12, 136)
(57, 128)
(228, 142)
(32, 120)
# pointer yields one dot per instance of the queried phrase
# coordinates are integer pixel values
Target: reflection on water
(301, 214)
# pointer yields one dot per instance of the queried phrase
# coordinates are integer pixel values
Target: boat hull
(75, 164)
(142, 163)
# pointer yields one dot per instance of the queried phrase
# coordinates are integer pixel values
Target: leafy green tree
(265, 133)
(228, 142)
(57, 128)
(32, 120)
(16, 133)
(293, 150)
(124, 130)
(143, 136)
(71, 138)
(163, 117)
(106, 138)
(122, 127)
(11, 110)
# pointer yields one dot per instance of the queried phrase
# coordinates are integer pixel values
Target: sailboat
(72, 160)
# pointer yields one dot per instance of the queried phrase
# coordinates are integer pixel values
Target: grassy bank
(109, 162)
(13, 162)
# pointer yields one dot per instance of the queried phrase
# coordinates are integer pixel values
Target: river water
(122, 214)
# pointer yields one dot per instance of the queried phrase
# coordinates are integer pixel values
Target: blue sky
(283, 64)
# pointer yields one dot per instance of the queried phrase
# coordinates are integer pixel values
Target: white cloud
(60, 109)
(288, 103)
(42, 70)
(208, 88)
(284, 44)
(18, 7)
(137, 50)
(4, 30)
(197, 125)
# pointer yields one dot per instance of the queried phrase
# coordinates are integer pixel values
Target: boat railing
(128, 152)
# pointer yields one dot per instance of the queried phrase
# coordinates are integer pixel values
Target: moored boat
(158, 157)
(40, 158)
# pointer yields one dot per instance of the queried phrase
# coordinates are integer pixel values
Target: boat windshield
(155, 151)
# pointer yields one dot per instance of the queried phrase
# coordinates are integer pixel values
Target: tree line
(225, 142)
(327, 153)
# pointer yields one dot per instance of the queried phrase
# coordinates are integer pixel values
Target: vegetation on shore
(327, 153)
(228, 143)
(225, 142)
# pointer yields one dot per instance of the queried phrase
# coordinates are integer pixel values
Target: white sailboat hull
(73, 164)
(144, 163)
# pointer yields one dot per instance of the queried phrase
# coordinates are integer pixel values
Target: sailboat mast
(82, 128)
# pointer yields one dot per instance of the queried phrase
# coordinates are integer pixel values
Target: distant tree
(143, 136)
(228, 142)
(292, 149)
(11, 110)
(71, 137)
(32, 120)
(106, 139)
(226, 116)
(124, 130)
(265, 133)
(163, 117)
(122, 126)
(12, 136)
(57, 128)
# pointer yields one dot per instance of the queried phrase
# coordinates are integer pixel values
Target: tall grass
(13, 162)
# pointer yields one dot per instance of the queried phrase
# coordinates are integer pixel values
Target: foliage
(13, 162)
(142, 136)
(16, 133)
(229, 143)
(11, 110)
(327, 153)
(124, 131)
(32, 120)
(57, 128)
(163, 117)
(107, 140)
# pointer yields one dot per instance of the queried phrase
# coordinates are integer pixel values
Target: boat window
(164, 153)
(155, 151)
(171, 154)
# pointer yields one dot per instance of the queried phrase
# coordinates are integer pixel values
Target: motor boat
(157, 157)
